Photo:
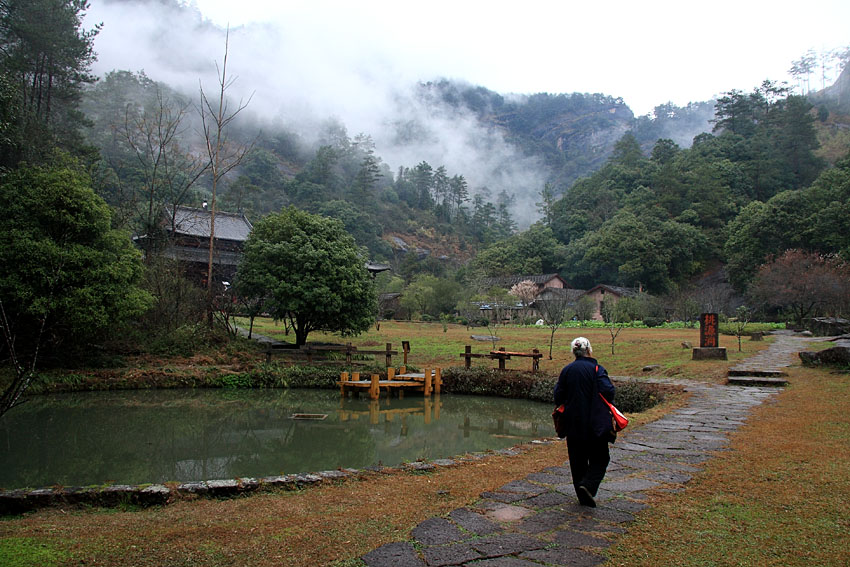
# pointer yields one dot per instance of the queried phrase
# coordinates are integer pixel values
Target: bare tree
(615, 317)
(168, 173)
(499, 301)
(223, 156)
(742, 318)
(554, 312)
(24, 370)
(804, 283)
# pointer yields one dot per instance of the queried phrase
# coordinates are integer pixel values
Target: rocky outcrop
(835, 356)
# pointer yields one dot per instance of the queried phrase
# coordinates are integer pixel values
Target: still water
(139, 437)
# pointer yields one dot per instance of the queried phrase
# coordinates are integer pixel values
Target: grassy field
(634, 349)
(776, 498)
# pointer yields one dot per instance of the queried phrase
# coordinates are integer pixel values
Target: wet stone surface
(537, 521)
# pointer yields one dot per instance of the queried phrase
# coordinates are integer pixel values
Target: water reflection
(160, 436)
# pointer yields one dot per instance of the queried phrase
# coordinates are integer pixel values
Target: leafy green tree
(430, 295)
(47, 54)
(816, 218)
(629, 250)
(534, 251)
(311, 272)
(70, 277)
(546, 204)
(627, 151)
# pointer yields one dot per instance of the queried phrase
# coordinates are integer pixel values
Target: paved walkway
(537, 521)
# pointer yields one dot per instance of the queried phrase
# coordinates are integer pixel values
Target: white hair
(581, 347)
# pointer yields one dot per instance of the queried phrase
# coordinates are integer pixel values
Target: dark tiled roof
(508, 281)
(196, 222)
(621, 291)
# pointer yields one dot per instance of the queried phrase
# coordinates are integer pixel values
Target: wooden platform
(428, 382)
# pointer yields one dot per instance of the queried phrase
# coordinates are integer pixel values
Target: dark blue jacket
(578, 388)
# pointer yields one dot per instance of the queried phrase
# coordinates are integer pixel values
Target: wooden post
(343, 378)
(467, 351)
(355, 377)
(389, 356)
(348, 354)
(402, 370)
(427, 390)
(535, 361)
(268, 355)
(405, 347)
(438, 379)
(390, 373)
(502, 359)
(374, 390)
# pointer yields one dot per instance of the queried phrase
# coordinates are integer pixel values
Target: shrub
(653, 321)
(635, 397)
(501, 383)
(632, 397)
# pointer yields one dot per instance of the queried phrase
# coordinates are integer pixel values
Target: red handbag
(618, 420)
(560, 420)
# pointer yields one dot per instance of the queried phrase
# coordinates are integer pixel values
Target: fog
(299, 79)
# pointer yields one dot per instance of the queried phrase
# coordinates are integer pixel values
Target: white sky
(647, 52)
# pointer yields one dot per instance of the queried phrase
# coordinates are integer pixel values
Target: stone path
(537, 521)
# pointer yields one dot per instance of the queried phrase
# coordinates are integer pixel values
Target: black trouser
(588, 462)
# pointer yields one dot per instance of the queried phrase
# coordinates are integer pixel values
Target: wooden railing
(317, 354)
(503, 356)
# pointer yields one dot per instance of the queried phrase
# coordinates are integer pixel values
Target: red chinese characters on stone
(708, 330)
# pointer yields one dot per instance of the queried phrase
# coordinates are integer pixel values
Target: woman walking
(589, 426)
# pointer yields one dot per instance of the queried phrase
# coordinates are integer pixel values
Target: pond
(136, 437)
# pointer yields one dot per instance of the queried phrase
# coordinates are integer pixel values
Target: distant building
(541, 280)
(186, 239)
(604, 293)
(551, 294)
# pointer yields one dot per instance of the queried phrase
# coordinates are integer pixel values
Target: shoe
(584, 497)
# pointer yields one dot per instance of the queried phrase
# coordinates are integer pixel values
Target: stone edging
(25, 500)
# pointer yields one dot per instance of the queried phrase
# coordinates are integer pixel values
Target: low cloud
(301, 76)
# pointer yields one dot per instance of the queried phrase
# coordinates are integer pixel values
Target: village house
(568, 295)
(604, 293)
(542, 281)
(186, 239)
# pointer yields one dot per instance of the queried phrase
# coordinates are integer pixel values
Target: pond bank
(25, 500)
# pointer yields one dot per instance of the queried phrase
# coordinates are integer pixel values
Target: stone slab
(473, 522)
(399, 554)
(437, 531)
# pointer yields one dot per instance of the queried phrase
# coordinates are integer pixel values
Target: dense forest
(663, 202)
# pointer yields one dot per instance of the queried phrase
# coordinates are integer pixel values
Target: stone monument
(709, 339)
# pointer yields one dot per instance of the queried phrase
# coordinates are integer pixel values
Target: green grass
(29, 552)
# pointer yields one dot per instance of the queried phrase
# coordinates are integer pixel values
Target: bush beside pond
(632, 397)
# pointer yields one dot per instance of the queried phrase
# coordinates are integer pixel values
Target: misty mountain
(573, 134)
(500, 143)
